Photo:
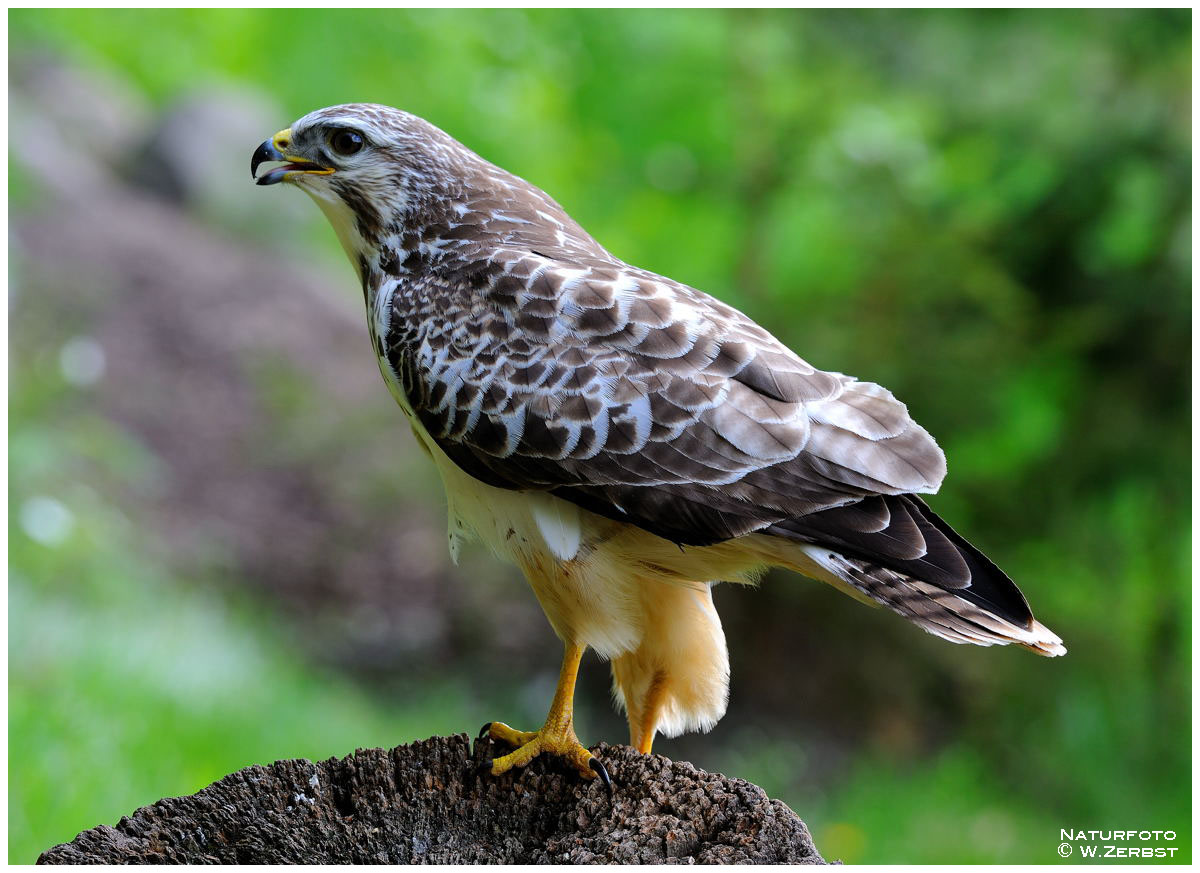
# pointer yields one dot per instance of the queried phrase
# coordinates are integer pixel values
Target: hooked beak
(275, 149)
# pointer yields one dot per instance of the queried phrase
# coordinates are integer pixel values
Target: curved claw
(483, 731)
(602, 772)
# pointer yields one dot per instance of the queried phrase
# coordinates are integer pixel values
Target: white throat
(344, 224)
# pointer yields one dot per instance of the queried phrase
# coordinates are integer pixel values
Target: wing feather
(648, 401)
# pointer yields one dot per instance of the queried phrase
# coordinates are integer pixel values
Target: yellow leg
(557, 735)
(642, 733)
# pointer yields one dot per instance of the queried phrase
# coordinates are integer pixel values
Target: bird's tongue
(276, 175)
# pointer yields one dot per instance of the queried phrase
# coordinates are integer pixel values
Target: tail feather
(944, 613)
(895, 550)
(901, 533)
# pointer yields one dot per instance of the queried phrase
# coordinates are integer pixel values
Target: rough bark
(429, 802)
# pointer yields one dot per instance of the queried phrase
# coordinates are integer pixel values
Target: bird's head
(390, 182)
(370, 168)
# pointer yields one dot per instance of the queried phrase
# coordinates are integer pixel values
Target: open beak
(276, 149)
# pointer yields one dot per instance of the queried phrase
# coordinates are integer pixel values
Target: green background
(985, 211)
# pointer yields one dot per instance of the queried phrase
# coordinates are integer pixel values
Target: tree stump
(430, 802)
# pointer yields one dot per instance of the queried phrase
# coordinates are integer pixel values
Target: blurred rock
(69, 126)
(198, 152)
(92, 110)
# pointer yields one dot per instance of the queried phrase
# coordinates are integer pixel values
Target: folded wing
(649, 402)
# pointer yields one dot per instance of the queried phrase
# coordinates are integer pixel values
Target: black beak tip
(265, 152)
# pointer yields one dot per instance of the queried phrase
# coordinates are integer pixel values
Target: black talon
(485, 766)
(595, 764)
(483, 731)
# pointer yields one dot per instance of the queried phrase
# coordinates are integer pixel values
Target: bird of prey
(624, 439)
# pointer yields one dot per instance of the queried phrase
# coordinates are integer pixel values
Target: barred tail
(939, 611)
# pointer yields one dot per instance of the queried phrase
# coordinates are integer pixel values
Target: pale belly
(595, 578)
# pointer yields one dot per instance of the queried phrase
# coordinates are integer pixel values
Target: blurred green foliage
(986, 211)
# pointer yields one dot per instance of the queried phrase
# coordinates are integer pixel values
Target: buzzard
(624, 439)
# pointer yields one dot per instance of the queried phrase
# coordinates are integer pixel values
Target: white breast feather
(559, 524)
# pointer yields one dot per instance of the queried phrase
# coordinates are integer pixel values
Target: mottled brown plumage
(534, 363)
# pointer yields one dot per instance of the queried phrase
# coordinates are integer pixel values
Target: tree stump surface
(431, 802)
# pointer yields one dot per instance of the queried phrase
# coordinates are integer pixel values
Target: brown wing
(649, 402)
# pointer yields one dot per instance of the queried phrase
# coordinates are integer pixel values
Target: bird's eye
(346, 142)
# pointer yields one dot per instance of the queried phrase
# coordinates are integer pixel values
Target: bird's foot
(557, 740)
